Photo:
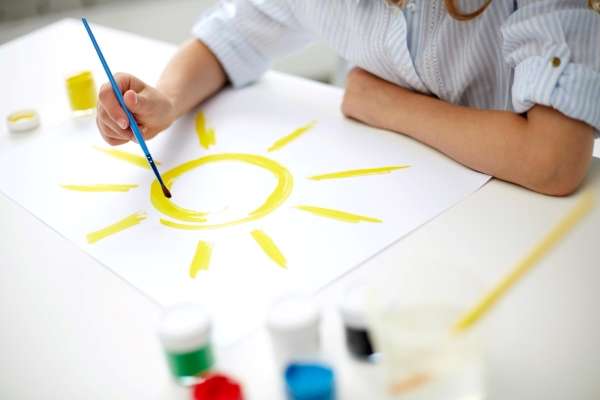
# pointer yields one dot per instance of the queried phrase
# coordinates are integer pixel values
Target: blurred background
(167, 20)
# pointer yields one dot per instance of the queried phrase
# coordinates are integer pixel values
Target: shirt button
(555, 62)
(595, 5)
(411, 6)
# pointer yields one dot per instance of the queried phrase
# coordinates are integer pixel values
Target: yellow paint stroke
(284, 141)
(339, 215)
(358, 172)
(117, 227)
(201, 259)
(285, 183)
(122, 155)
(206, 136)
(269, 247)
(102, 187)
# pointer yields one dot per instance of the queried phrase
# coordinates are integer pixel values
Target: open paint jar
(81, 91)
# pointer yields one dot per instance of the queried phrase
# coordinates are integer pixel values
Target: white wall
(168, 20)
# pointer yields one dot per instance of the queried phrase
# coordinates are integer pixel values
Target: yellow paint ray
(337, 214)
(285, 183)
(358, 172)
(206, 136)
(269, 247)
(101, 187)
(117, 227)
(284, 141)
(122, 155)
(201, 259)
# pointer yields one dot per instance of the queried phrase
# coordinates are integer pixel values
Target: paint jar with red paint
(185, 335)
(217, 387)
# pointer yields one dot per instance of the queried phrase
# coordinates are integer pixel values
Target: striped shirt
(516, 54)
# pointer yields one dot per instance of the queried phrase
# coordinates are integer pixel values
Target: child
(511, 89)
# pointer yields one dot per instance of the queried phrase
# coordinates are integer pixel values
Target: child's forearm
(546, 152)
(192, 75)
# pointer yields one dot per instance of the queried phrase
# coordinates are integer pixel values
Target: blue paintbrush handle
(132, 122)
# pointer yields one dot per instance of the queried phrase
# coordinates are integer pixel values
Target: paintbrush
(583, 206)
(132, 122)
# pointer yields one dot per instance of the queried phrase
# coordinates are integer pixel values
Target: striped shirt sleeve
(245, 35)
(553, 47)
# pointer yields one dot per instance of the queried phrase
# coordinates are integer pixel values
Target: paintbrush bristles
(166, 191)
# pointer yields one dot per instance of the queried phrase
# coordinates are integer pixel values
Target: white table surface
(71, 329)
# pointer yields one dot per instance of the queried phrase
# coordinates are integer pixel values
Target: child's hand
(153, 111)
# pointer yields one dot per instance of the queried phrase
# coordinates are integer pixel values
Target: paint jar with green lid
(185, 335)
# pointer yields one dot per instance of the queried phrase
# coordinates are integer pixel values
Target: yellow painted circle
(167, 207)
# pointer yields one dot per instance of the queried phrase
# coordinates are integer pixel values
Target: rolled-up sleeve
(553, 46)
(245, 35)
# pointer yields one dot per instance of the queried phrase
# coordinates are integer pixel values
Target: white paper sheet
(241, 279)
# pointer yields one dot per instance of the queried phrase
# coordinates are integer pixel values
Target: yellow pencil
(581, 208)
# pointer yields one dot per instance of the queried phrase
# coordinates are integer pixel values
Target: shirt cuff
(573, 89)
(241, 62)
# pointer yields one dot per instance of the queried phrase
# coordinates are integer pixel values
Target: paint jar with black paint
(353, 309)
(184, 332)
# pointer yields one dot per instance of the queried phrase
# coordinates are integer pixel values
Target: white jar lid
(184, 327)
(354, 306)
(23, 120)
(294, 314)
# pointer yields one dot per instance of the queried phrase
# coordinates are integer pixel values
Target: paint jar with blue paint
(309, 381)
(185, 335)
(293, 323)
(354, 312)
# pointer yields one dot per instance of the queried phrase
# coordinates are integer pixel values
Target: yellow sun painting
(176, 217)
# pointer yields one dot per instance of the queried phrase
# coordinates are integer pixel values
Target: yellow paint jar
(81, 90)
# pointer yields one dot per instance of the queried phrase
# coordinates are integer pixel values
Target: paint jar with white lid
(294, 323)
(185, 335)
(354, 311)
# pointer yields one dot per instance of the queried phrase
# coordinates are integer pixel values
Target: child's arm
(544, 151)
(191, 76)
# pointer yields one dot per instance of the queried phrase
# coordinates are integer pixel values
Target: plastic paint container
(353, 309)
(217, 387)
(185, 335)
(305, 381)
(81, 90)
(293, 323)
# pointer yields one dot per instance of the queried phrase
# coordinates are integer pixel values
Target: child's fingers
(109, 102)
(115, 129)
(139, 103)
(134, 102)
(110, 131)
(108, 135)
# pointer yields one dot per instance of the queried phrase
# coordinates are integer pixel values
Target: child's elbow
(562, 184)
(563, 166)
